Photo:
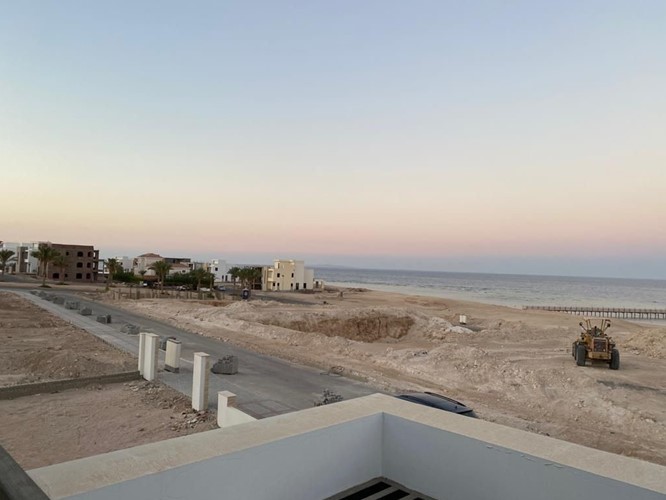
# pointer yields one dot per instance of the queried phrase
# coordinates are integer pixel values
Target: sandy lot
(514, 367)
(37, 346)
(45, 429)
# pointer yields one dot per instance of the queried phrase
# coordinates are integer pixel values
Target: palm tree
(199, 274)
(44, 254)
(235, 273)
(112, 267)
(5, 256)
(161, 269)
(249, 276)
(61, 263)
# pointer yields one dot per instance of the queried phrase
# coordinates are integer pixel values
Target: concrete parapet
(72, 304)
(227, 365)
(227, 413)
(15, 484)
(86, 311)
(200, 381)
(150, 356)
(172, 358)
(105, 318)
(59, 300)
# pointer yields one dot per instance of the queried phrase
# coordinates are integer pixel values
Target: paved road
(265, 386)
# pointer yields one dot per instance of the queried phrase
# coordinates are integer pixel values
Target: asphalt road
(264, 385)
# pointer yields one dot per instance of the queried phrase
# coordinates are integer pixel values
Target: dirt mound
(367, 325)
(650, 342)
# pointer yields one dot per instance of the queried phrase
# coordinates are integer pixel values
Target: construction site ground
(513, 366)
(44, 429)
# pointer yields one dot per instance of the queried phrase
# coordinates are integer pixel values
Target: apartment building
(287, 275)
(81, 263)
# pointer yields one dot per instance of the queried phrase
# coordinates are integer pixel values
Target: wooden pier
(605, 312)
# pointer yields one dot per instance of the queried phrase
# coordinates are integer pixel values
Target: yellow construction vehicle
(595, 345)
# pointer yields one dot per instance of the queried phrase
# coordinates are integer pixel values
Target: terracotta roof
(150, 255)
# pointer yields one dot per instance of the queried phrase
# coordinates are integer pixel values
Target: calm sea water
(507, 289)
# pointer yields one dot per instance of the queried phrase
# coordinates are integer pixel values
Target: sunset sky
(490, 136)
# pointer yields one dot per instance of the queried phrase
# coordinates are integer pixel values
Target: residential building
(125, 262)
(81, 261)
(179, 268)
(178, 260)
(287, 275)
(220, 269)
(23, 262)
(143, 262)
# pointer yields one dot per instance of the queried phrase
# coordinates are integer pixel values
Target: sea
(514, 290)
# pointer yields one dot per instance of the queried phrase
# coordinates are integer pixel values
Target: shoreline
(411, 291)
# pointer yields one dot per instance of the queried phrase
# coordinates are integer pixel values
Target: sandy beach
(513, 366)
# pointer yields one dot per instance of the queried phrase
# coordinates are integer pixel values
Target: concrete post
(150, 356)
(225, 399)
(172, 361)
(142, 350)
(463, 319)
(200, 381)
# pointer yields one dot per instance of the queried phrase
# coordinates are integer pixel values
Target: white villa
(220, 269)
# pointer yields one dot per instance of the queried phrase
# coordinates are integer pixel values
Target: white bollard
(225, 399)
(200, 381)
(463, 319)
(172, 357)
(150, 356)
(142, 350)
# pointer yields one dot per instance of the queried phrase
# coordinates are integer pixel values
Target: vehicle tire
(615, 360)
(581, 354)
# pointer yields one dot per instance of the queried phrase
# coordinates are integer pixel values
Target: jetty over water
(606, 312)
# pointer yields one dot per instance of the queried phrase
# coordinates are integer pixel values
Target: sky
(489, 136)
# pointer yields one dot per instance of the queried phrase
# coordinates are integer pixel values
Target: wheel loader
(595, 345)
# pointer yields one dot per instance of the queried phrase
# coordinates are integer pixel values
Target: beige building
(143, 263)
(287, 275)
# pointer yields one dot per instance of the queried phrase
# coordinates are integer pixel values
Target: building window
(278, 275)
(292, 275)
(87, 276)
(66, 275)
(66, 253)
(79, 276)
(88, 264)
(305, 286)
(79, 264)
(56, 276)
(79, 254)
(89, 254)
